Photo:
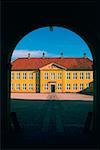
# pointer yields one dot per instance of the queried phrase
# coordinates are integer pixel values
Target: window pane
(81, 86)
(52, 75)
(45, 75)
(59, 75)
(37, 87)
(46, 86)
(17, 86)
(87, 75)
(30, 86)
(30, 75)
(68, 86)
(12, 75)
(59, 86)
(74, 75)
(18, 75)
(74, 86)
(24, 75)
(12, 86)
(68, 75)
(24, 86)
(81, 75)
(37, 75)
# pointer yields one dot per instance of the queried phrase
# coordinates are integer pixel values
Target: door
(52, 88)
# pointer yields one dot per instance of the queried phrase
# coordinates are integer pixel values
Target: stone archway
(88, 33)
(91, 52)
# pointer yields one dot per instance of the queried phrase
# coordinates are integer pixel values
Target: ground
(54, 96)
(51, 124)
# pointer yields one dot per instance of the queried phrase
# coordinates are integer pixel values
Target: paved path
(51, 96)
(50, 124)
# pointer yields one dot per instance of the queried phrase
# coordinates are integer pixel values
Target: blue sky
(52, 43)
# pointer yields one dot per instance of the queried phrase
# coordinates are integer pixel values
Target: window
(12, 86)
(45, 75)
(81, 75)
(30, 75)
(46, 86)
(12, 75)
(68, 75)
(74, 75)
(87, 75)
(68, 86)
(24, 86)
(18, 75)
(37, 87)
(59, 75)
(87, 85)
(52, 75)
(59, 86)
(17, 86)
(37, 75)
(74, 86)
(30, 87)
(92, 75)
(24, 75)
(81, 86)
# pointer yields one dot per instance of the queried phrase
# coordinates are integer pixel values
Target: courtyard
(51, 123)
(51, 96)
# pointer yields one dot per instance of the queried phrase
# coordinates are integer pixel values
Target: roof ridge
(51, 58)
(34, 63)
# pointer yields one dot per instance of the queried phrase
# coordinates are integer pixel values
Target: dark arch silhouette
(18, 22)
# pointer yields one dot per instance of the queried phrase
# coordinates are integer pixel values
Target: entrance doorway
(52, 88)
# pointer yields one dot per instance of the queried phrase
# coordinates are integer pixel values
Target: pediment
(52, 66)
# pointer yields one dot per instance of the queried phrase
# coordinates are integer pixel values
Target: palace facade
(45, 75)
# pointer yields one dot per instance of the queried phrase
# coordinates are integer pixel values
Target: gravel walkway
(51, 96)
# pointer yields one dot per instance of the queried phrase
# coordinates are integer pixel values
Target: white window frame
(31, 75)
(81, 86)
(68, 75)
(75, 86)
(74, 75)
(81, 75)
(24, 86)
(59, 86)
(18, 75)
(30, 86)
(52, 75)
(87, 75)
(12, 86)
(45, 86)
(68, 86)
(17, 86)
(46, 75)
(59, 75)
(24, 75)
(87, 85)
(12, 75)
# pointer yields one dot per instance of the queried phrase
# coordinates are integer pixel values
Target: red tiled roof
(36, 63)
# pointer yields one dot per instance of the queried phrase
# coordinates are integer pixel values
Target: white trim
(53, 64)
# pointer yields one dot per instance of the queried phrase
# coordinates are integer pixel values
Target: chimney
(29, 55)
(43, 55)
(51, 28)
(61, 54)
(85, 55)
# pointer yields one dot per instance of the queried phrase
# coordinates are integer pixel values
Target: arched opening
(21, 18)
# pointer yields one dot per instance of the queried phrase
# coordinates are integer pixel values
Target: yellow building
(47, 75)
